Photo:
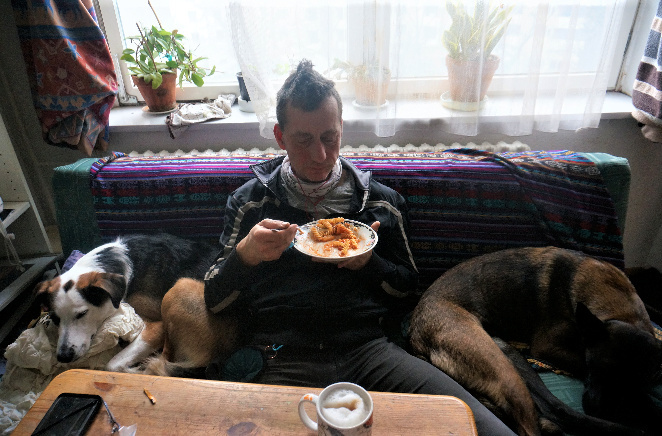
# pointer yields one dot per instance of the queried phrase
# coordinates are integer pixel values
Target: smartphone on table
(70, 414)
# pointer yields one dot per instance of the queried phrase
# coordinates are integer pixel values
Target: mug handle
(310, 398)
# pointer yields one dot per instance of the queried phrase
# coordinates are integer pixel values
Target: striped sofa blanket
(462, 202)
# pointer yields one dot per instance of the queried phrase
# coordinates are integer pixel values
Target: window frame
(108, 20)
(107, 14)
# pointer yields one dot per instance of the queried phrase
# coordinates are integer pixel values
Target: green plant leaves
(345, 69)
(197, 79)
(127, 57)
(160, 51)
(475, 36)
(157, 79)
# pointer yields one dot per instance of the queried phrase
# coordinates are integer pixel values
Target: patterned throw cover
(71, 72)
(463, 203)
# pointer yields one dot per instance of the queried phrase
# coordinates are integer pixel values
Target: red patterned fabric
(70, 70)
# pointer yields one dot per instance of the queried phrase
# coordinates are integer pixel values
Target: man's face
(312, 140)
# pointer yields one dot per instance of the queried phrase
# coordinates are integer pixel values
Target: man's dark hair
(305, 89)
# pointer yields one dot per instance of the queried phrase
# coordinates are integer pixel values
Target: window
(551, 47)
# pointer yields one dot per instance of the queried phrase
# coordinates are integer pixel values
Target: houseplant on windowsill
(470, 41)
(158, 57)
(370, 81)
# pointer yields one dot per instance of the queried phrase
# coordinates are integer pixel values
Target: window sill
(126, 119)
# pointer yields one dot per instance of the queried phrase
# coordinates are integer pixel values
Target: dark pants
(378, 365)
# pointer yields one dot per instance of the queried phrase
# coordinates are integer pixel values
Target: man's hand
(266, 241)
(358, 262)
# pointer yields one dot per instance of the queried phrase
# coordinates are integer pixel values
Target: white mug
(342, 409)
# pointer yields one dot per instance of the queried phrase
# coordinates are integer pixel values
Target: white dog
(139, 269)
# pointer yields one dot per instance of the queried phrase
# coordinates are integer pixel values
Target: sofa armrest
(616, 175)
(74, 207)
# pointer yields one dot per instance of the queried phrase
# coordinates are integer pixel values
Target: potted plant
(370, 80)
(155, 62)
(470, 41)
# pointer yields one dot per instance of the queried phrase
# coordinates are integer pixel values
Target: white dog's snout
(66, 355)
(72, 345)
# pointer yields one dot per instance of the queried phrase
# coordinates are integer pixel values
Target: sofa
(462, 202)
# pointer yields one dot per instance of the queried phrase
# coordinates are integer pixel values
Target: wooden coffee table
(203, 407)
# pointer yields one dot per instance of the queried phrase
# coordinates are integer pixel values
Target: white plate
(147, 111)
(367, 107)
(245, 106)
(464, 106)
(302, 242)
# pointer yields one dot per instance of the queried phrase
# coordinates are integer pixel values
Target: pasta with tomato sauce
(337, 234)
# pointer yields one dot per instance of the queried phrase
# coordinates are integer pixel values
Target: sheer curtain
(555, 59)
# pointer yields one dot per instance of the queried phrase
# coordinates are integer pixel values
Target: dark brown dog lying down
(575, 312)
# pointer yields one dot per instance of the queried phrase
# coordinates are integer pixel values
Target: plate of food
(335, 239)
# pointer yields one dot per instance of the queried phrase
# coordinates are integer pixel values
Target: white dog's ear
(99, 286)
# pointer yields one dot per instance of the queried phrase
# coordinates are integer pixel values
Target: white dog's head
(78, 305)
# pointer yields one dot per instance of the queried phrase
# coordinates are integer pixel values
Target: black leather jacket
(298, 302)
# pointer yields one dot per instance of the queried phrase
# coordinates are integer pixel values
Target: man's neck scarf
(319, 199)
(311, 190)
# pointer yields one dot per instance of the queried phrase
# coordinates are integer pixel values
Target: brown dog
(193, 335)
(575, 312)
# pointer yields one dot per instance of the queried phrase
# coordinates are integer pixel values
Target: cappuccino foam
(344, 408)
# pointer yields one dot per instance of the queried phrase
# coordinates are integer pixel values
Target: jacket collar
(269, 175)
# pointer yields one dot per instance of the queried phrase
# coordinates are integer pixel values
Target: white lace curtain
(555, 60)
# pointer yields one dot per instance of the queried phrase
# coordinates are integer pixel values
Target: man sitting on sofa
(323, 319)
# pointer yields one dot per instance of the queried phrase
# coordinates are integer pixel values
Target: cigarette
(150, 396)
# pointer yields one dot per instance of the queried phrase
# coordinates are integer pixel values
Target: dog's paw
(117, 367)
(548, 428)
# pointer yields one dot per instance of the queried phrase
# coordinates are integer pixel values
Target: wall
(620, 137)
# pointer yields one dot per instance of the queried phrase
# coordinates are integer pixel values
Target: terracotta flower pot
(162, 98)
(468, 83)
(369, 91)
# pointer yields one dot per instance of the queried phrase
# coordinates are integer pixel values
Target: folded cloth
(32, 361)
(191, 113)
(71, 260)
(646, 96)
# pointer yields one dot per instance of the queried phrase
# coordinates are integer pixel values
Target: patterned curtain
(647, 91)
(70, 70)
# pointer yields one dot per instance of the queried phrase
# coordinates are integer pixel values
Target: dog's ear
(42, 293)
(593, 330)
(99, 286)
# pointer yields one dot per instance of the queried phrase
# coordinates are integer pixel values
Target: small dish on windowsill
(465, 106)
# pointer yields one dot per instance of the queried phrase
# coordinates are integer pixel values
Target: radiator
(409, 148)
